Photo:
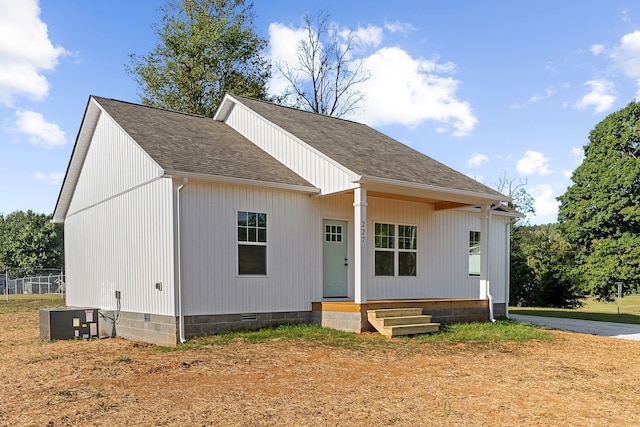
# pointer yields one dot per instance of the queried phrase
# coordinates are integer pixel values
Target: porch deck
(351, 317)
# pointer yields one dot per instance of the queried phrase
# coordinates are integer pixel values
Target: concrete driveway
(608, 329)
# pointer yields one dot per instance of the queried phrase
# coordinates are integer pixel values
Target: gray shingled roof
(364, 150)
(199, 145)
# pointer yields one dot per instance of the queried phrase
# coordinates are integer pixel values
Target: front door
(335, 262)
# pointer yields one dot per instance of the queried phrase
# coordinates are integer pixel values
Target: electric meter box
(63, 323)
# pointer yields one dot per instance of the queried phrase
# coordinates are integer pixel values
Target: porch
(350, 316)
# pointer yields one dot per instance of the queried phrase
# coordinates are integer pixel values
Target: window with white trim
(396, 250)
(474, 253)
(252, 243)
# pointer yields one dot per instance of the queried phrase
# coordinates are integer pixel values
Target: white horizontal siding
(210, 283)
(114, 164)
(320, 171)
(126, 244)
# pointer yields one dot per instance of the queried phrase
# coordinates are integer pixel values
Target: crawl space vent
(248, 317)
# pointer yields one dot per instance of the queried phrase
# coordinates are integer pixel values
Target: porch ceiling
(438, 204)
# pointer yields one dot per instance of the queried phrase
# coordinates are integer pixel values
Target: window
(333, 233)
(252, 243)
(396, 249)
(474, 253)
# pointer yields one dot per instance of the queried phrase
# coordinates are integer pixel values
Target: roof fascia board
(223, 113)
(80, 148)
(92, 114)
(494, 211)
(242, 181)
(479, 197)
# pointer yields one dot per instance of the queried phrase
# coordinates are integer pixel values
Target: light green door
(335, 262)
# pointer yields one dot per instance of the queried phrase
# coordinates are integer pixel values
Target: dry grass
(573, 380)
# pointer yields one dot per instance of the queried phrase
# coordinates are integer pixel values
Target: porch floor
(349, 316)
(426, 304)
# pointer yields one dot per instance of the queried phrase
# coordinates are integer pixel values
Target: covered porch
(351, 316)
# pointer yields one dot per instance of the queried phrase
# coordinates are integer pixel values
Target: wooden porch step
(422, 328)
(396, 312)
(401, 321)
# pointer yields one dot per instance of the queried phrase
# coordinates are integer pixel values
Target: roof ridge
(149, 106)
(299, 110)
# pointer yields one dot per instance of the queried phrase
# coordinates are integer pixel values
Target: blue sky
(492, 89)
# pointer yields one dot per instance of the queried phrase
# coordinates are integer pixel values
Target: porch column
(484, 251)
(360, 246)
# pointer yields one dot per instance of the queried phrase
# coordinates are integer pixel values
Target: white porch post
(484, 251)
(360, 246)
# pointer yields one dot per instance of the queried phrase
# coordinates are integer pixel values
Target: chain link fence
(49, 284)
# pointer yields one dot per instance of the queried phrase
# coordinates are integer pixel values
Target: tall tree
(325, 77)
(550, 257)
(521, 200)
(30, 242)
(206, 48)
(600, 211)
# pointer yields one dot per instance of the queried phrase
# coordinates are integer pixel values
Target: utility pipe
(487, 281)
(179, 256)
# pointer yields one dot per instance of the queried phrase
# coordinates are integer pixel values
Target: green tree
(29, 242)
(206, 49)
(325, 77)
(550, 257)
(600, 211)
(522, 277)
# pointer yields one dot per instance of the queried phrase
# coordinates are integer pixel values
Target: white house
(178, 225)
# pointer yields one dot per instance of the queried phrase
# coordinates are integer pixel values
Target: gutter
(477, 196)
(179, 256)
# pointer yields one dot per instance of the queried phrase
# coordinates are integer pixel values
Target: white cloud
(548, 93)
(418, 89)
(25, 51)
(597, 49)
(578, 154)
(53, 178)
(38, 130)
(284, 50)
(533, 163)
(476, 160)
(625, 15)
(600, 97)
(365, 36)
(545, 202)
(626, 56)
(399, 27)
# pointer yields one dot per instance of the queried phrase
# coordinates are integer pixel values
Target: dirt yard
(574, 380)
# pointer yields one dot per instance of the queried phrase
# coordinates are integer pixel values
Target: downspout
(507, 268)
(488, 281)
(179, 256)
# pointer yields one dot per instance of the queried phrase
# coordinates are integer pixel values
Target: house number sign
(363, 230)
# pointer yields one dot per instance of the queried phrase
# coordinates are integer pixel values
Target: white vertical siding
(338, 207)
(209, 250)
(443, 245)
(114, 163)
(404, 213)
(295, 154)
(448, 255)
(124, 243)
